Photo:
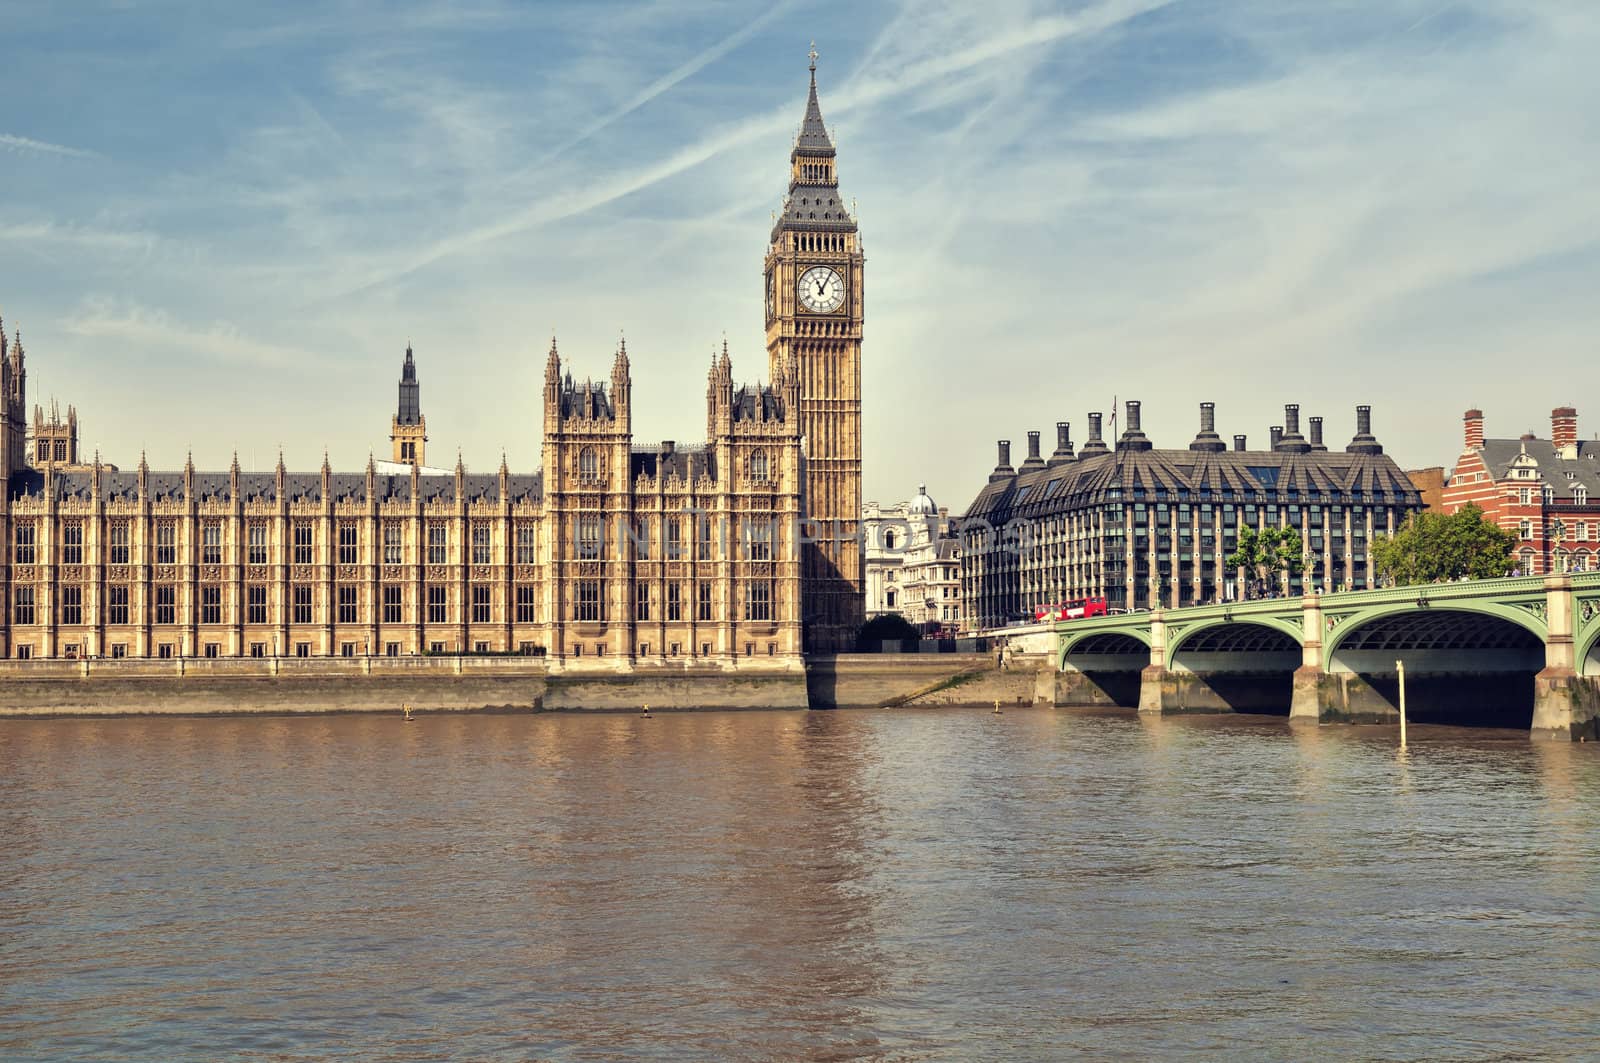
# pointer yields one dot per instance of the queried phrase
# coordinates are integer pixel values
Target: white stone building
(913, 562)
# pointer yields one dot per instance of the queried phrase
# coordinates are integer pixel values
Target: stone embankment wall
(873, 680)
(200, 686)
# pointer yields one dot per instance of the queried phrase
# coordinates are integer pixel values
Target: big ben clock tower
(814, 305)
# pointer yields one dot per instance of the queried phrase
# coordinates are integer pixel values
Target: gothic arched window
(888, 540)
(758, 465)
(588, 464)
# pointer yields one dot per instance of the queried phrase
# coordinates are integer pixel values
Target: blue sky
(221, 223)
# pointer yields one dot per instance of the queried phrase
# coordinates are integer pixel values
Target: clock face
(821, 290)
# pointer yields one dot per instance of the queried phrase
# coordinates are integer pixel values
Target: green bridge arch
(1586, 644)
(1292, 628)
(1140, 635)
(1352, 622)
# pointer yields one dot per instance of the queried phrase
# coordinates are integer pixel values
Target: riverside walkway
(1479, 649)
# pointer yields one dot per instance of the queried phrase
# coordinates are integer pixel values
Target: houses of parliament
(739, 551)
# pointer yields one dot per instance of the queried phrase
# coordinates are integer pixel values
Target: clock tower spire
(814, 308)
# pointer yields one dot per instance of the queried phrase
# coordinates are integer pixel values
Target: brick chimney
(1473, 419)
(1564, 431)
(1239, 442)
(1275, 435)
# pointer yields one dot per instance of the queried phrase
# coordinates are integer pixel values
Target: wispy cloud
(143, 328)
(27, 145)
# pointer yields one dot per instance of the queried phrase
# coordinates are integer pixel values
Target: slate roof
(813, 139)
(1562, 474)
(686, 462)
(587, 400)
(262, 486)
(1325, 476)
(754, 403)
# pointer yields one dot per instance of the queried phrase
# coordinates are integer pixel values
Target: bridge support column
(1566, 706)
(1152, 678)
(1310, 678)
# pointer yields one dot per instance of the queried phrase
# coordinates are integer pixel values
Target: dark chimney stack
(1207, 439)
(1094, 444)
(1063, 452)
(1239, 442)
(1364, 443)
(1275, 434)
(1292, 441)
(1034, 461)
(1316, 434)
(1003, 469)
(1132, 437)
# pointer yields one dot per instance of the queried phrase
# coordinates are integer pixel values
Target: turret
(622, 380)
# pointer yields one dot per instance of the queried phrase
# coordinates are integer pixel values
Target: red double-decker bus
(1077, 609)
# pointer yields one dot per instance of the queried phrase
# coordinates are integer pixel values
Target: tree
(1432, 547)
(1263, 555)
(890, 627)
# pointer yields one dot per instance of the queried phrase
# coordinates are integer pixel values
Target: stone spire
(813, 138)
(410, 399)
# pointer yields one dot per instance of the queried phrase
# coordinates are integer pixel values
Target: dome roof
(922, 505)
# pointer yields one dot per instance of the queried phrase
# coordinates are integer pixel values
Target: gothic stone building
(1143, 527)
(1545, 491)
(614, 554)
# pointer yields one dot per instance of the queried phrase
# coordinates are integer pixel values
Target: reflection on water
(873, 885)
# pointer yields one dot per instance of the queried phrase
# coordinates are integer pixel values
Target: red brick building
(1545, 491)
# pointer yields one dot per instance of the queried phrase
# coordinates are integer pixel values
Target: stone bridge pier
(1517, 652)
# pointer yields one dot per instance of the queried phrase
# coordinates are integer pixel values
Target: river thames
(897, 885)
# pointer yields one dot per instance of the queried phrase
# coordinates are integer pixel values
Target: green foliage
(1266, 555)
(887, 628)
(1430, 547)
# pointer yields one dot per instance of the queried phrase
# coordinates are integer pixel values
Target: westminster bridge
(1521, 651)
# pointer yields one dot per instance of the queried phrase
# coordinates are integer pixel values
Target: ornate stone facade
(612, 555)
